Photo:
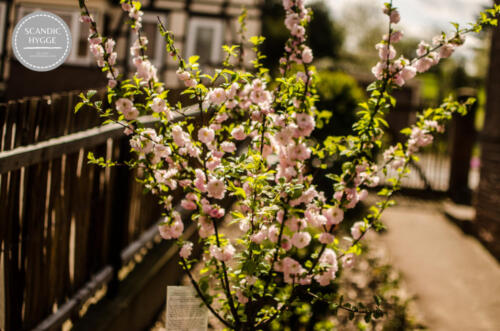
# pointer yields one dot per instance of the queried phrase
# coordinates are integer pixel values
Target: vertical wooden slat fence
(65, 226)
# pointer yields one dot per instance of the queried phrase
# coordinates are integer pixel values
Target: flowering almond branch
(248, 281)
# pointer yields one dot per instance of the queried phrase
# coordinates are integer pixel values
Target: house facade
(200, 27)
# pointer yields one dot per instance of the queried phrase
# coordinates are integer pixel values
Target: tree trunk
(488, 196)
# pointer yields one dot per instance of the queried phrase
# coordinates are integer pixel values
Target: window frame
(3, 20)
(217, 24)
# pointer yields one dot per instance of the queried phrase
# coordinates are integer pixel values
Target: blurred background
(79, 245)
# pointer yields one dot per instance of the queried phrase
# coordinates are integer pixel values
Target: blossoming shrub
(263, 272)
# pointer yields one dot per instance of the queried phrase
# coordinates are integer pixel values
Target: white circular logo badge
(41, 41)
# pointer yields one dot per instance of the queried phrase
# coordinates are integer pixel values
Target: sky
(423, 19)
(423, 16)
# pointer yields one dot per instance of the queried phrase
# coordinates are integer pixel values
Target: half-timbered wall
(200, 27)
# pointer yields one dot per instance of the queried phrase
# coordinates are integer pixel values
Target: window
(3, 9)
(80, 54)
(156, 44)
(205, 39)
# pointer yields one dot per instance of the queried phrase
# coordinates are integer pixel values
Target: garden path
(455, 279)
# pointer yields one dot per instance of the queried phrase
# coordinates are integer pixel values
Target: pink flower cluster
(402, 69)
(172, 229)
(419, 137)
(297, 16)
(224, 253)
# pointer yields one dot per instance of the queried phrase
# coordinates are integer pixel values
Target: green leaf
(91, 93)
(193, 59)
(78, 106)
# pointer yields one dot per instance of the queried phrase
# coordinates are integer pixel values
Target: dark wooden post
(488, 196)
(120, 213)
(463, 137)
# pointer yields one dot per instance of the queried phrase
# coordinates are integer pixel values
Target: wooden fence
(70, 231)
(66, 228)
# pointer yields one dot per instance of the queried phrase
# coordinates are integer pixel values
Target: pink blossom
(231, 104)
(298, 31)
(164, 231)
(329, 258)
(112, 58)
(238, 133)
(216, 188)
(126, 107)
(424, 64)
(258, 237)
(123, 104)
(446, 51)
(398, 80)
(128, 131)
(228, 147)
(182, 75)
(206, 135)
(217, 96)
(385, 51)
(109, 45)
(395, 17)
(131, 115)
(213, 163)
(231, 92)
(286, 243)
(180, 137)
(314, 219)
(348, 260)
(206, 226)
(223, 254)
(191, 82)
(422, 49)
(408, 72)
(86, 19)
(259, 96)
(307, 55)
(273, 233)
(291, 19)
(284, 137)
(334, 215)
(326, 238)
(325, 277)
(186, 250)
(357, 229)
(217, 212)
(291, 266)
(378, 70)
(298, 151)
(185, 182)
(145, 70)
(188, 204)
(221, 117)
(287, 4)
(174, 230)
(301, 239)
(200, 180)
(305, 123)
(396, 37)
(159, 105)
